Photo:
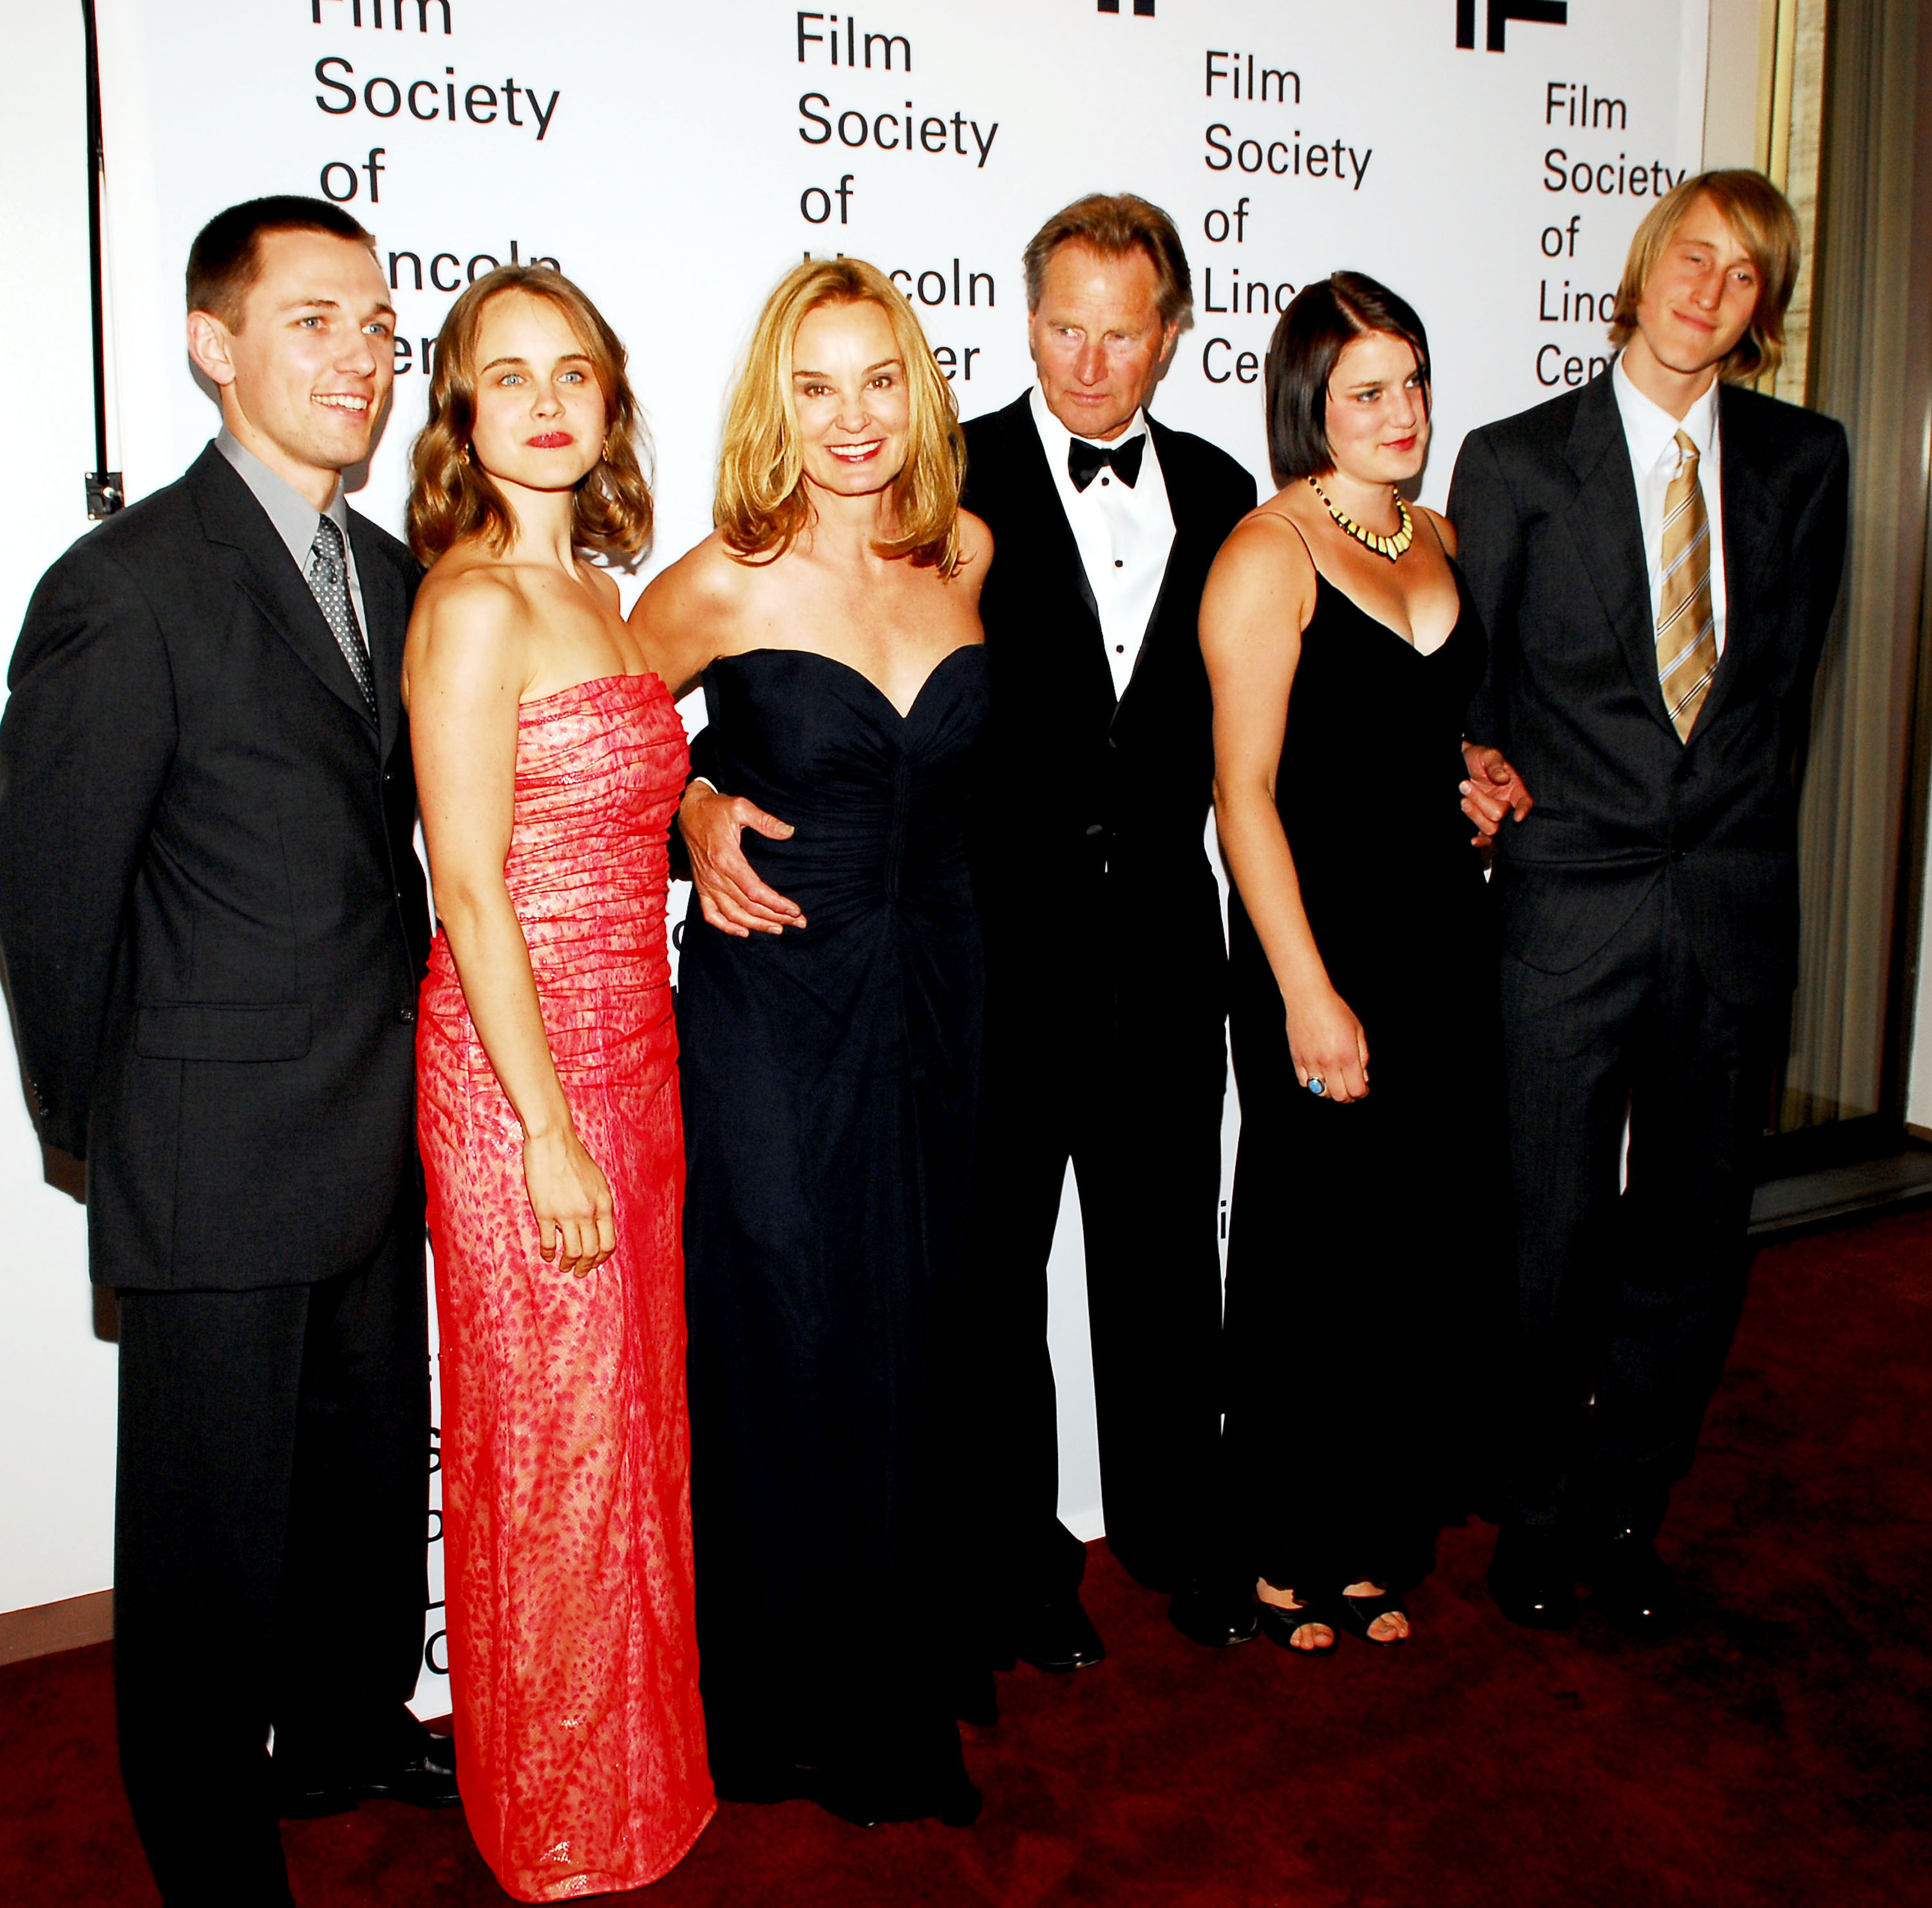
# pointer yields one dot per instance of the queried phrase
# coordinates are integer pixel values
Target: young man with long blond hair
(1656, 555)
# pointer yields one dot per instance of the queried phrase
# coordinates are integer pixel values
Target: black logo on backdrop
(1542, 13)
(1144, 6)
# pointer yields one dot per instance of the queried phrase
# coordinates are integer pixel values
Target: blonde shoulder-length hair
(1762, 217)
(762, 507)
(452, 496)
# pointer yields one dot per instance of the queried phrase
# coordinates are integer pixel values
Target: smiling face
(1701, 295)
(541, 416)
(1098, 339)
(851, 399)
(1377, 410)
(306, 378)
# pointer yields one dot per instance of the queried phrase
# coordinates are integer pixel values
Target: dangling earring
(463, 454)
(608, 436)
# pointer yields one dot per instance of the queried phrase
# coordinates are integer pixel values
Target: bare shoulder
(470, 618)
(976, 540)
(707, 582)
(975, 553)
(1443, 528)
(1266, 545)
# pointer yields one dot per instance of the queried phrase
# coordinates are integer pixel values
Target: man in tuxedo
(1105, 965)
(1656, 556)
(214, 924)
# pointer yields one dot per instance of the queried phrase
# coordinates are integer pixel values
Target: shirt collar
(293, 516)
(1055, 436)
(1652, 431)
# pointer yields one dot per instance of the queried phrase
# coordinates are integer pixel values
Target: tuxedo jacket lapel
(1058, 552)
(1609, 533)
(232, 518)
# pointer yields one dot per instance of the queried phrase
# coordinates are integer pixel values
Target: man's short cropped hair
(1761, 218)
(226, 258)
(1114, 223)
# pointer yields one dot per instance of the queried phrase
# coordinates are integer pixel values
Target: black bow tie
(1084, 460)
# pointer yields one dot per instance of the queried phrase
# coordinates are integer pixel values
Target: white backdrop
(675, 159)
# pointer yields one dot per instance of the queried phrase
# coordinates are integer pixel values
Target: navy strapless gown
(830, 1086)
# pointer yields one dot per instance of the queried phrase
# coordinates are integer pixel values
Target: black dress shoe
(1215, 1615)
(423, 1774)
(1058, 1636)
(1531, 1579)
(1633, 1586)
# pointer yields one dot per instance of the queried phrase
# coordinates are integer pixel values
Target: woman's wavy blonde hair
(452, 496)
(1762, 217)
(762, 504)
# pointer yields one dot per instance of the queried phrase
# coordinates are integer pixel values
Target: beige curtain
(1870, 366)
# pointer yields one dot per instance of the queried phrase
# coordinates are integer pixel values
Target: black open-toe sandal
(1278, 1625)
(1357, 1614)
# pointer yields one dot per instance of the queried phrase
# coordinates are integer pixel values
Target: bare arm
(682, 620)
(467, 668)
(1259, 596)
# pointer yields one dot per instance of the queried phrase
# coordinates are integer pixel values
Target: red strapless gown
(573, 1659)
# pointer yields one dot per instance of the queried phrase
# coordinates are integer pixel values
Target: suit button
(407, 1015)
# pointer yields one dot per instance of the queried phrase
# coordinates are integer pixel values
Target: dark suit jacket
(1546, 508)
(212, 917)
(1088, 856)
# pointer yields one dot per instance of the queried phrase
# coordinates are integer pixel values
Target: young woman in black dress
(830, 1061)
(1343, 650)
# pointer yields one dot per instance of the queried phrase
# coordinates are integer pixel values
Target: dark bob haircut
(226, 258)
(1321, 322)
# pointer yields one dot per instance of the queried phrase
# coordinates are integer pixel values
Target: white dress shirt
(294, 517)
(1650, 433)
(1123, 532)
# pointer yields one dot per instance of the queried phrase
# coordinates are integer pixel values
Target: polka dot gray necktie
(328, 578)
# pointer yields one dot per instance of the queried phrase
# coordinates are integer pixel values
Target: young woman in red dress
(550, 762)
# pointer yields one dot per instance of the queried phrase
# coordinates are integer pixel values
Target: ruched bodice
(565, 1473)
(877, 799)
(600, 771)
(831, 1082)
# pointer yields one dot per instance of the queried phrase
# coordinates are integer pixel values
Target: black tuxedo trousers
(1134, 1101)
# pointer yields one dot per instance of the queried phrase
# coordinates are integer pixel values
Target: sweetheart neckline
(904, 715)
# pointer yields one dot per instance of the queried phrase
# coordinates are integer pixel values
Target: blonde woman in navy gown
(830, 1067)
(1342, 650)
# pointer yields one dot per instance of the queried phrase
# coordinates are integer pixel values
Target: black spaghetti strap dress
(1363, 1245)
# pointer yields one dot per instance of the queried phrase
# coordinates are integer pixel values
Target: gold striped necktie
(1687, 628)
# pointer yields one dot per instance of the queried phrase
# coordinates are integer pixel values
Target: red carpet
(1775, 1754)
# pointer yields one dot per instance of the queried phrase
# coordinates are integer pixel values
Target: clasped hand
(1493, 790)
(570, 1199)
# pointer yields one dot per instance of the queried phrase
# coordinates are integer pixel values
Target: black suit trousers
(270, 1525)
(1632, 1299)
(1132, 1094)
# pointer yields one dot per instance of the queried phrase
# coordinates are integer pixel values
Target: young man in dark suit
(1657, 557)
(214, 923)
